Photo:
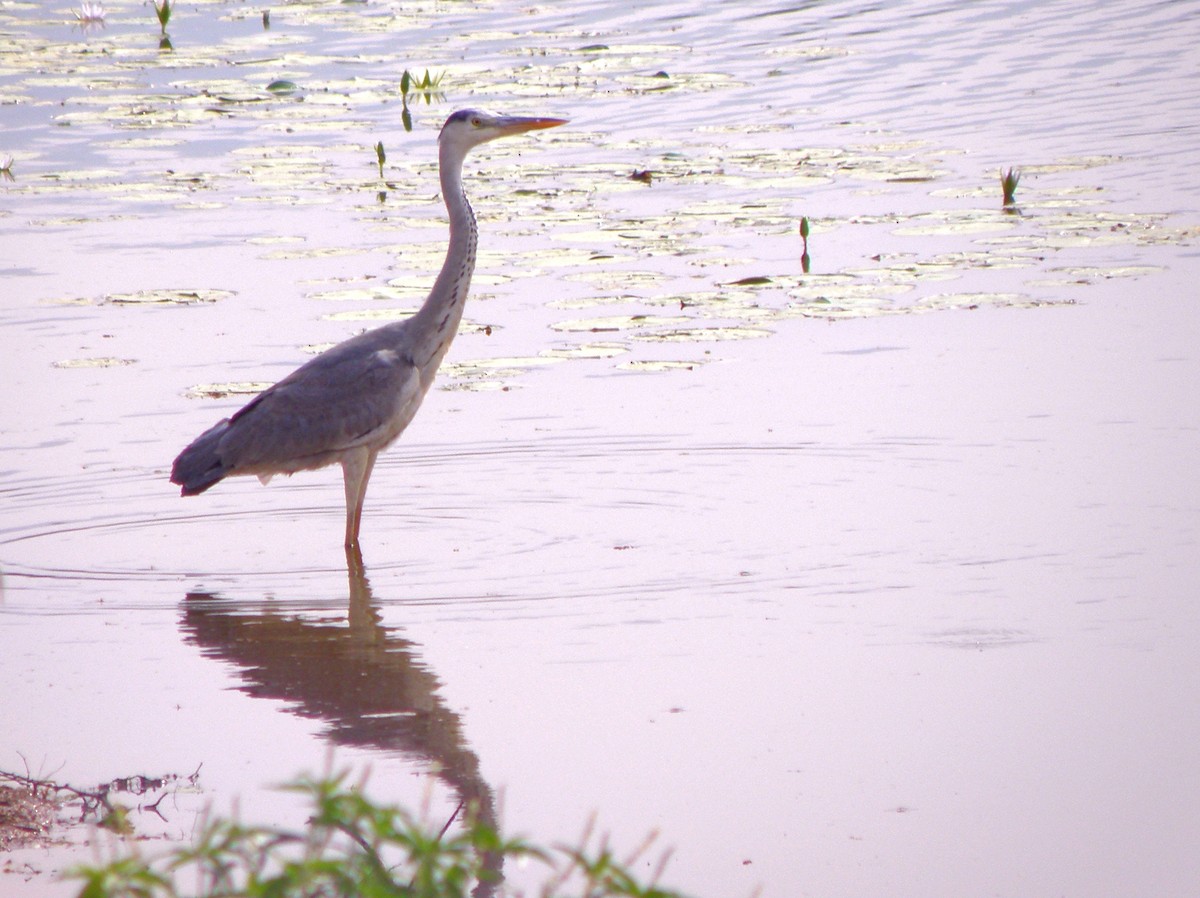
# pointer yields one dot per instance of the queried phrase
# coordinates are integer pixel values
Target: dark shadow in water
(364, 681)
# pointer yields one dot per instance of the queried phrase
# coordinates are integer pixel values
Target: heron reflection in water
(364, 682)
(352, 401)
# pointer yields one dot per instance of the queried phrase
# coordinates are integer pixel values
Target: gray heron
(350, 402)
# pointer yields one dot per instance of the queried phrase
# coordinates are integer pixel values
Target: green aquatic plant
(430, 85)
(1008, 183)
(805, 260)
(380, 156)
(352, 846)
(6, 164)
(411, 85)
(162, 11)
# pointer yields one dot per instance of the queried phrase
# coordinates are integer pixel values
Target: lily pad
(225, 390)
(655, 366)
(169, 296)
(98, 362)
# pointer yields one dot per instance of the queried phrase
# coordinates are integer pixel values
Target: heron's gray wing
(353, 394)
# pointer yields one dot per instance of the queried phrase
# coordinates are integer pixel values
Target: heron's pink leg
(356, 471)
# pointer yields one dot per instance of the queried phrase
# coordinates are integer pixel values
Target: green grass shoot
(429, 85)
(162, 10)
(805, 259)
(380, 156)
(1008, 182)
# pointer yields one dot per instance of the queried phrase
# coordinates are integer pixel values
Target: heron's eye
(477, 122)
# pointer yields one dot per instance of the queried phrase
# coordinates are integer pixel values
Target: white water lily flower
(90, 13)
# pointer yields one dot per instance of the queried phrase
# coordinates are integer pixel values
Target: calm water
(879, 579)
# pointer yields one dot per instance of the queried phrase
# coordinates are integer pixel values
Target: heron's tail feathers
(199, 466)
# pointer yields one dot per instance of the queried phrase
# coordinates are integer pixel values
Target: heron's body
(353, 400)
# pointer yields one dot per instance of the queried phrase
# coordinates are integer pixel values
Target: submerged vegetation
(352, 846)
(283, 87)
(33, 808)
(929, 251)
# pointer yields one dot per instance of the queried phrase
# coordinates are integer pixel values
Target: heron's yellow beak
(515, 124)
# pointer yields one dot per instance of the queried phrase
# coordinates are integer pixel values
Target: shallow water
(875, 580)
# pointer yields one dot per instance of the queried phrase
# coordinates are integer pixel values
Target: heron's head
(468, 128)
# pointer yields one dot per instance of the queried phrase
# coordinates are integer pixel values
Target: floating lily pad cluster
(726, 231)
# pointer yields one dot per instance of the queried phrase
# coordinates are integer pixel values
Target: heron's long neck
(435, 324)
